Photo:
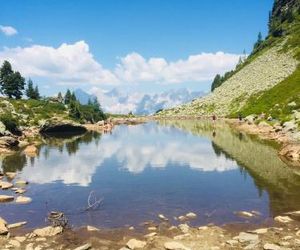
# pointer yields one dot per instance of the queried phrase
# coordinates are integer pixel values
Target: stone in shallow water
(260, 231)
(48, 231)
(21, 183)
(283, 219)
(11, 175)
(162, 217)
(91, 228)
(244, 214)
(174, 245)
(135, 244)
(6, 185)
(18, 224)
(23, 200)
(191, 215)
(6, 198)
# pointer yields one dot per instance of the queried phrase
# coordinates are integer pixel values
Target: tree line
(90, 112)
(13, 85)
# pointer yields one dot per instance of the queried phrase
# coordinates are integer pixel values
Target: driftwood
(93, 201)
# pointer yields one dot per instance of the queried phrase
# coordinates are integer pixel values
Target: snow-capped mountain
(117, 101)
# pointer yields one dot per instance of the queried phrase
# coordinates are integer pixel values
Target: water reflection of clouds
(135, 148)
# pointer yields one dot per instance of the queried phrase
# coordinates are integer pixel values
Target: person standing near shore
(214, 118)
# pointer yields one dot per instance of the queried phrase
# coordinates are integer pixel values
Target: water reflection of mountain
(257, 158)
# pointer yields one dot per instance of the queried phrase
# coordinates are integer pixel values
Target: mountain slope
(272, 61)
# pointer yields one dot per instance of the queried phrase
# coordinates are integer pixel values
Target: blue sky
(110, 31)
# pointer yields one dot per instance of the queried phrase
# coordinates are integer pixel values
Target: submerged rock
(11, 175)
(6, 185)
(6, 198)
(23, 200)
(136, 244)
(162, 217)
(191, 215)
(244, 214)
(21, 183)
(15, 225)
(91, 228)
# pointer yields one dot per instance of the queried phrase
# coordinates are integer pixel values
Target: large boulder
(62, 128)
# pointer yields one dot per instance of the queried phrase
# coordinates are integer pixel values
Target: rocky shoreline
(289, 150)
(283, 234)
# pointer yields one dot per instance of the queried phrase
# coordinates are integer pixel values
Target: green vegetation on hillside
(15, 112)
(284, 23)
(278, 102)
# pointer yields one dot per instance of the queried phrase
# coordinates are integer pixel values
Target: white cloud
(8, 30)
(68, 64)
(74, 64)
(200, 67)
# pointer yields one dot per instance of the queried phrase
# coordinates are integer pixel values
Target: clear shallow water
(170, 167)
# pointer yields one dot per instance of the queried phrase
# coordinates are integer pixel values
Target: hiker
(214, 118)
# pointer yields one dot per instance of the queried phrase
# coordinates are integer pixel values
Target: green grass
(38, 109)
(275, 101)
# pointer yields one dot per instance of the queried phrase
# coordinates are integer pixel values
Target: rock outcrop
(62, 128)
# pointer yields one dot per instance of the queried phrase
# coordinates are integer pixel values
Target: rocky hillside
(271, 63)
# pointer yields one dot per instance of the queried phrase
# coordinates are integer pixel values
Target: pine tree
(216, 82)
(36, 93)
(60, 97)
(67, 97)
(259, 41)
(11, 82)
(30, 90)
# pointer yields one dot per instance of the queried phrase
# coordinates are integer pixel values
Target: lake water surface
(168, 167)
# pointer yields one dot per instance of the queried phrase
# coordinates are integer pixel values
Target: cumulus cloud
(74, 64)
(200, 67)
(67, 64)
(8, 30)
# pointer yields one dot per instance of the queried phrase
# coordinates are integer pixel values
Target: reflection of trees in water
(70, 144)
(13, 163)
(73, 146)
(255, 158)
(16, 162)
